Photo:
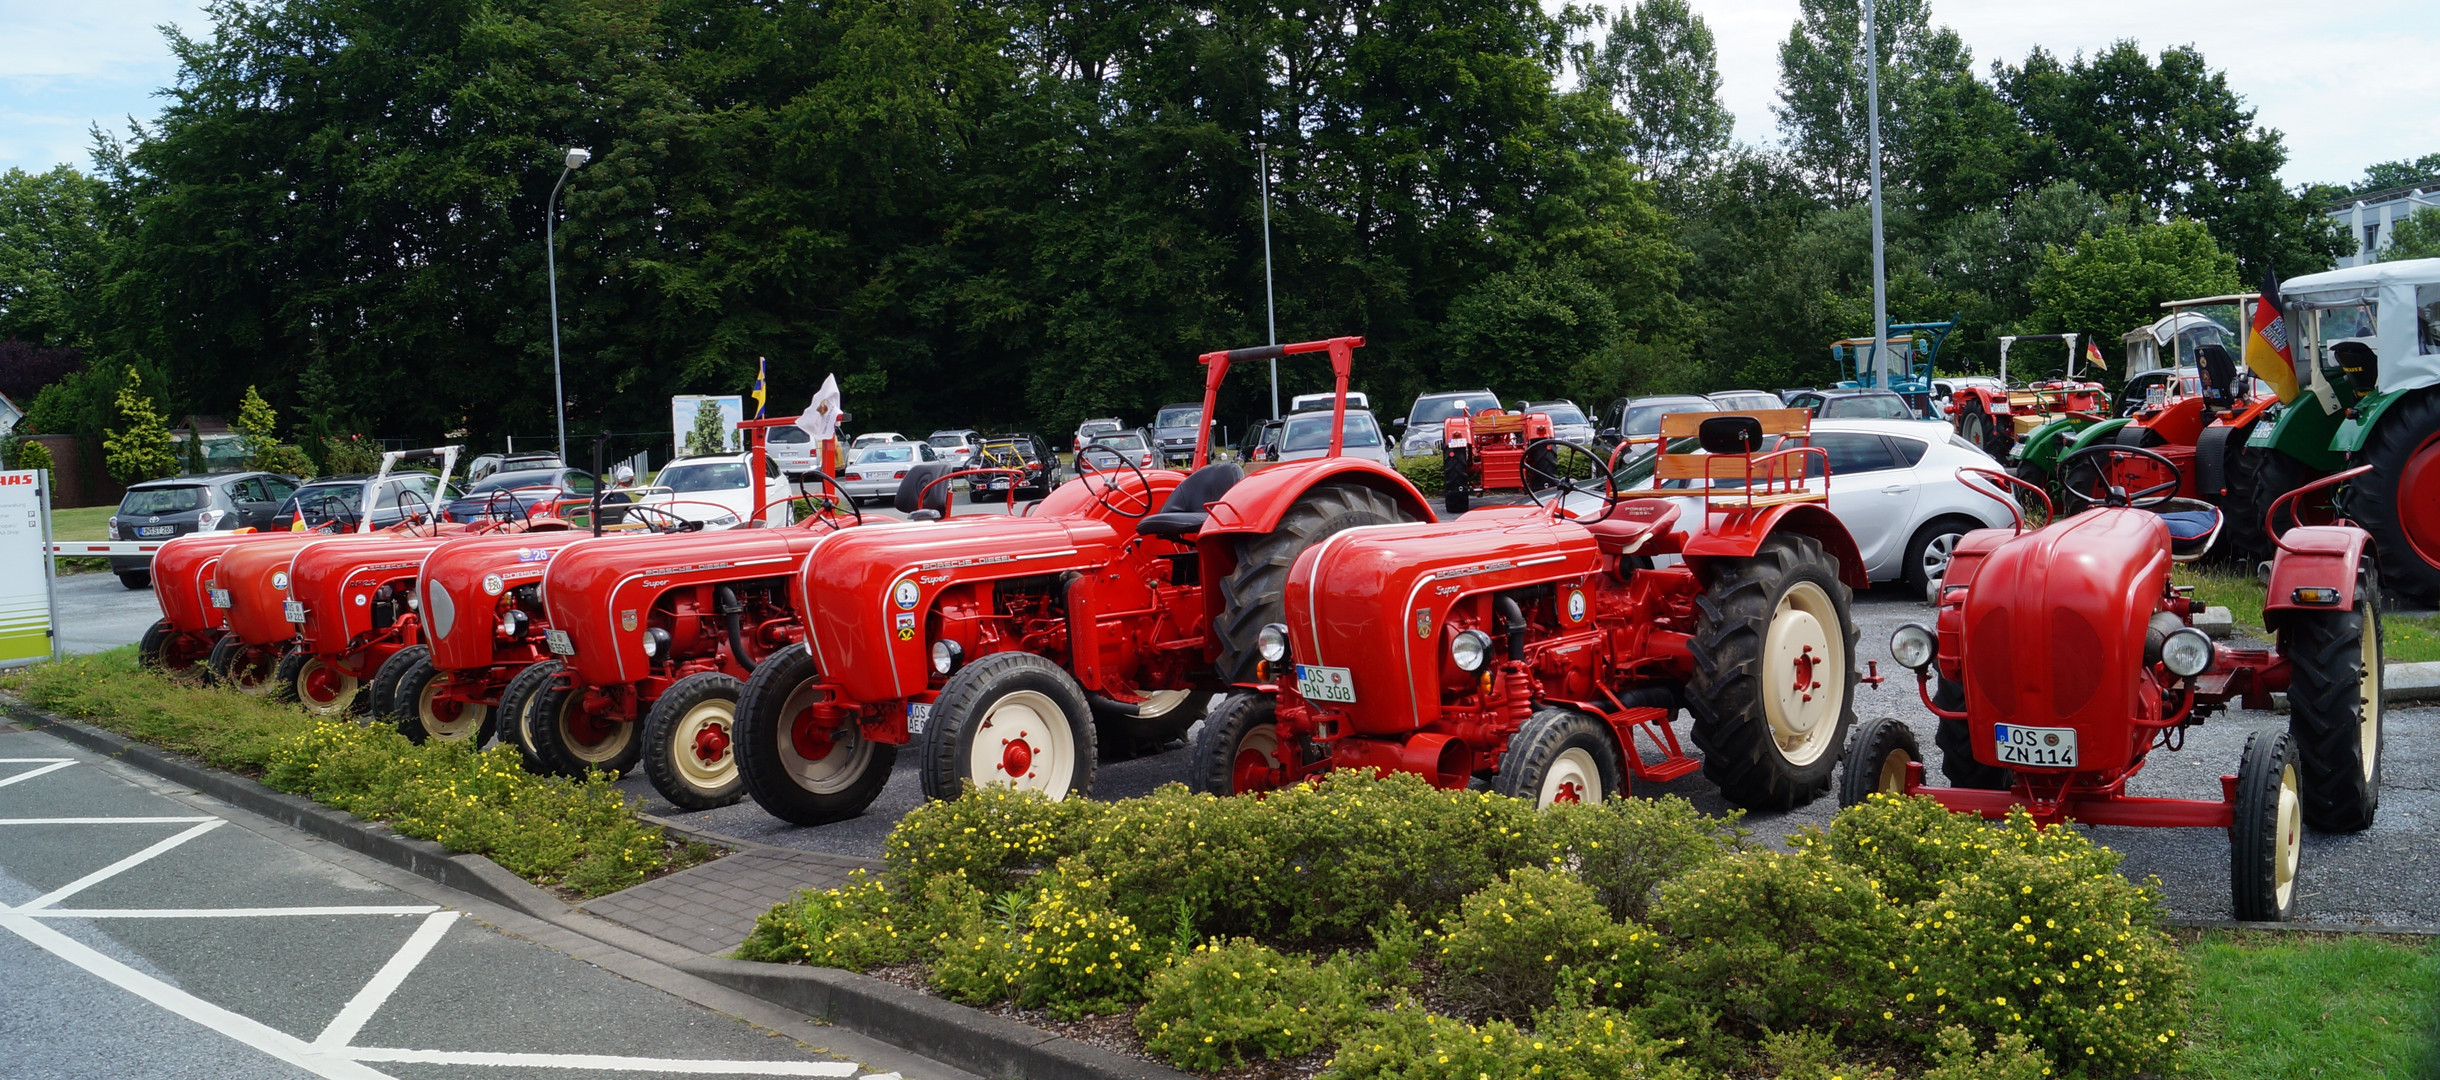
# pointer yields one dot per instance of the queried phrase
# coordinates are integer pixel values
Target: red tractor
(190, 624)
(250, 587)
(482, 621)
(1020, 650)
(2063, 657)
(1538, 647)
(1494, 450)
(351, 608)
(2201, 434)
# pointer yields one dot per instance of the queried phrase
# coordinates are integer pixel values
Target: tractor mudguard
(457, 584)
(2043, 446)
(2359, 421)
(2313, 556)
(1740, 535)
(1456, 431)
(2303, 432)
(1256, 504)
(2105, 431)
(1994, 402)
(255, 576)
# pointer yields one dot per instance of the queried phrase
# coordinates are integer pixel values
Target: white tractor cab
(2366, 344)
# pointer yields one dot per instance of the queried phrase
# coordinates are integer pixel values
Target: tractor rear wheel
(1773, 692)
(248, 669)
(422, 712)
(570, 741)
(2243, 540)
(381, 694)
(152, 649)
(2334, 708)
(1540, 467)
(1561, 755)
(2266, 833)
(1238, 749)
(1011, 719)
(797, 770)
(1255, 593)
(1163, 716)
(689, 742)
(1978, 427)
(516, 705)
(1456, 481)
(2395, 501)
(1876, 759)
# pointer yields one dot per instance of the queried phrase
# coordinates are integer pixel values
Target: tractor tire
(1978, 427)
(1239, 731)
(2266, 833)
(2243, 539)
(135, 580)
(572, 744)
(516, 703)
(1121, 736)
(1956, 744)
(1561, 755)
(1928, 551)
(2334, 708)
(1012, 719)
(803, 778)
(2396, 502)
(251, 671)
(318, 685)
(153, 648)
(381, 694)
(420, 713)
(1254, 594)
(2275, 474)
(1540, 467)
(1769, 726)
(690, 742)
(1456, 482)
(1876, 759)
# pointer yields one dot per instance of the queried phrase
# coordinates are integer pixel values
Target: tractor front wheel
(689, 740)
(796, 768)
(1956, 745)
(1876, 759)
(158, 648)
(2395, 502)
(1254, 594)
(423, 712)
(516, 706)
(1561, 756)
(571, 741)
(381, 694)
(1457, 481)
(2334, 709)
(2274, 474)
(1238, 749)
(2266, 834)
(251, 670)
(319, 685)
(1010, 719)
(1773, 692)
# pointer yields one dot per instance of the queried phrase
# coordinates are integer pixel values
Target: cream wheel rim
(317, 676)
(1573, 777)
(1161, 703)
(613, 742)
(709, 724)
(469, 718)
(823, 763)
(1023, 742)
(2290, 839)
(1893, 772)
(1805, 666)
(2368, 699)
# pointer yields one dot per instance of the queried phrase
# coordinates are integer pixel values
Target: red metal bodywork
(254, 579)
(354, 597)
(2177, 428)
(468, 586)
(2313, 556)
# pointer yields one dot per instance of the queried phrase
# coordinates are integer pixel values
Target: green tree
(2113, 281)
(2417, 237)
(710, 435)
(54, 246)
(140, 448)
(1662, 68)
(1822, 95)
(2424, 170)
(28, 454)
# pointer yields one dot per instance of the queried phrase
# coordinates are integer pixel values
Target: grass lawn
(83, 523)
(2408, 640)
(2271, 1007)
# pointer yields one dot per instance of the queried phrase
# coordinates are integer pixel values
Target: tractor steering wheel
(1085, 471)
(2101, 491)
(1563, 481)
(823, 508)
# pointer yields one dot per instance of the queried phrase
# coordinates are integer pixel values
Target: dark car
(339, 501)
(1028, 452)
(217, 502)
(1175, 429)
(514, 496)
(1854, 405)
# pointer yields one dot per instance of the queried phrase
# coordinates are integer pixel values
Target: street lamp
(1270, 305)
(577, 156)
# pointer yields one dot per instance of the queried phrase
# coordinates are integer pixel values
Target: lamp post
(1872, 141)
(1270, 307)
(577, 156)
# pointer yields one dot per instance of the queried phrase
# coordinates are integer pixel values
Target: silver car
(1419, 433)
(874, 472)
(1307, 435)
(1567, 422)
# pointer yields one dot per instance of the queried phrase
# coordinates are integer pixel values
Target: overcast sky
(2348, 87)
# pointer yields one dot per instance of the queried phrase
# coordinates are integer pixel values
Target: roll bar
(1216, 365)
(2270, 518)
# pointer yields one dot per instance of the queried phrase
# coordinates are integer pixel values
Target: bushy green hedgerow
(1635, 937)
(1426, 471)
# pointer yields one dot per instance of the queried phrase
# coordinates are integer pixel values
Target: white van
(1314, 402)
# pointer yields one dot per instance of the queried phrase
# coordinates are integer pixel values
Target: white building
(2370, 216)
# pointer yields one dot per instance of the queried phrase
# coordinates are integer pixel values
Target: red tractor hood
(255, 576)
(1376, 600)
(182, 577)
(336, 583)
(868, 590)
(463, 583)
(599, 590)
(2054, 627)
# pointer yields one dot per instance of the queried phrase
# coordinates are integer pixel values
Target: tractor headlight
(2186, 652)
(656, 641)
(945, 656)
(1469, 649)
(512, 625)
(1272, 642)
(1914, 646)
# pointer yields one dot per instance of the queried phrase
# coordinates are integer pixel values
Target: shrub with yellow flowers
(1228, 1001)
(1625, 848)
(995, 836)
(1771, 941)
(1565, 1042)
(1079, 956)
(856, 926)
(1512, 943)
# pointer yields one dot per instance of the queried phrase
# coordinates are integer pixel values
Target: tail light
(899, 475)
(114, 527)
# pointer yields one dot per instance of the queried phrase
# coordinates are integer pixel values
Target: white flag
(821, 419)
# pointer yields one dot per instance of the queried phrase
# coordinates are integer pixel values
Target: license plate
(296, 611)
(2042, 747)
(559, 643)
(147, 532)
(1325, 684)
(918, 718)
(220, 598)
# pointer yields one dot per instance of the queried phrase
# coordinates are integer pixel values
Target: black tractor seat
(911, 487)
(1184, 513)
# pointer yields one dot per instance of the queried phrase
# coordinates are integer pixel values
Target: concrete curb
(945, 1031)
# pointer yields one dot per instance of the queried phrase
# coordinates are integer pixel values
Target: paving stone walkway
(710, 908)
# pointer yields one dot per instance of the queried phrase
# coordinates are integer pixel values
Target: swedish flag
(759, 390)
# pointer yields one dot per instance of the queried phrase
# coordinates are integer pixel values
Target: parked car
(1307, 435)
(486, 464)
(1175, 429)
(1322, 401)
(1746, 400)
(1567, 422)
(510, 496)
(178, 505)
(1854, 405)
(1261, 442)
(1419, 433)
(340, 502)
(873, 472)
(1640, 418)
(1089, 430)
(792, 450)
(1027, 452)
(1133, 445)
(876, 438)
(955, 445)
(715, 489)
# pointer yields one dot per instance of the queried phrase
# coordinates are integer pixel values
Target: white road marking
(123, 865)
(605, 1062)
(101, 820)
(222, 913)
(359, 1009)
(56, 765)
(253, 1033)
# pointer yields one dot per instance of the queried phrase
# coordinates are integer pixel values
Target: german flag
(2266, 345)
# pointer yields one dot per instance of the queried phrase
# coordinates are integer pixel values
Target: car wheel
(1929, 551)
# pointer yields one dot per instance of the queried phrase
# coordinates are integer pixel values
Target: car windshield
(1866, 407)
(1121, 440)
(1091, 428)
(1435, 410)
(789, 434)
(706, 476)
(164, 500)
(330, 498)
(1312, 432)
(1644, 417)
(1748, 401)
(1179, 417)
(509, 481)
(947, 440)
(1561, 412)
(886, 453)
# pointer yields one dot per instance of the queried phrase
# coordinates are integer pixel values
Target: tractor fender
(2303, 432)
(1741, 534)
(1256, 504)
(1994, 402)
(1457, 431)
(2313, 556)
(2361, 419)
(2044, 446)
(2103, 432)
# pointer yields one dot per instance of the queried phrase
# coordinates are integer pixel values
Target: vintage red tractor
(1020, 650)
(2201, 435)
(1538, 647)
(190, 624)
(1494, 450)
(249, 585)
(351, 606)
(2063, 657)
(482, 623)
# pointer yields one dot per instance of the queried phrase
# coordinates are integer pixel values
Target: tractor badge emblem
(492, 585)
(906, 626)
(1423, 622)
(279, 579)
(907, 594)
(626, 620)
(1575, 605)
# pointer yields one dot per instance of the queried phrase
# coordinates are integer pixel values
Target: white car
(1894, 484)
(873, 472)
(792, 450)
(717, 490)
(1567, 422)
(876, 438)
